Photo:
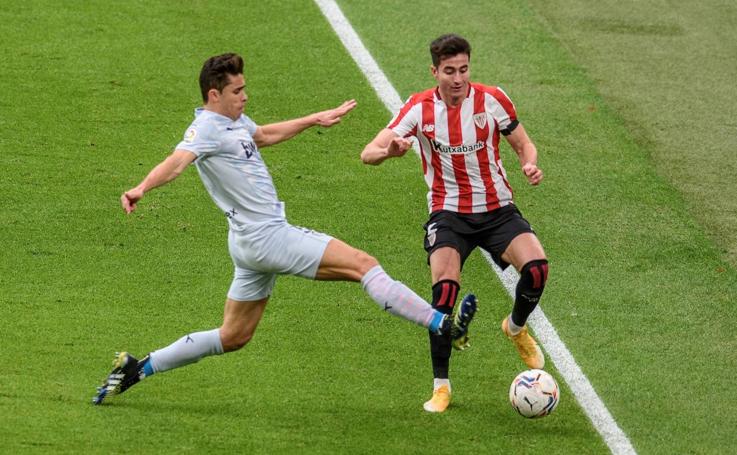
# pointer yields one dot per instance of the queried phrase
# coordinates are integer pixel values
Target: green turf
(108, 93)
(94, 95)
(632, 274)
(669, 69)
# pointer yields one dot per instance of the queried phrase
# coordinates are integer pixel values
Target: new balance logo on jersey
(442, 148)
(428, 128)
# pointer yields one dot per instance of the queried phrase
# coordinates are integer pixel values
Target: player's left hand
(333, 116)
(533, 173)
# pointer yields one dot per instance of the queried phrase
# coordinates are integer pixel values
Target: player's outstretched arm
(527, 153)
(274, 133)
(385, 145)
(164, 172)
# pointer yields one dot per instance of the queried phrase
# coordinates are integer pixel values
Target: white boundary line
(582, 389)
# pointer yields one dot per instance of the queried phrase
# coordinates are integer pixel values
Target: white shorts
(262, 252)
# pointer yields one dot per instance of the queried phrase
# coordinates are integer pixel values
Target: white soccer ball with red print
(534, 393)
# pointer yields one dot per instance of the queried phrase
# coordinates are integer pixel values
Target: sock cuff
(148, 369)
(449, 281)
(439, 382)
(371, 274)
(217, 342)
(444, 295)
(513, 327)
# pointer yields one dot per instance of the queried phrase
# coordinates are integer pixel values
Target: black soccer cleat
(125, 374)
(463, 314)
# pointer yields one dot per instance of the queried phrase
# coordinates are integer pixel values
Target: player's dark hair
(447, 46)
(215, 72)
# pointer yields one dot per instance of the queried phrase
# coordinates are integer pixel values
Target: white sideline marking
(582, 389)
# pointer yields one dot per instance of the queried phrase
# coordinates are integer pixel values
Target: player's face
(453, 75)
(233, 97)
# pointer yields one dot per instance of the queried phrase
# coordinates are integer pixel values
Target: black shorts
(492, 231)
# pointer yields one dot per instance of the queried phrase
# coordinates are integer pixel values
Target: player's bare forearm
(528, 161)
(163, 173)
(275, 133)
(385, 145)
(167, 170)
(527, 154)
(374, 155)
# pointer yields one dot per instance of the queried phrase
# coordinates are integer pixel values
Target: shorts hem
(255, 297)
(442, 245)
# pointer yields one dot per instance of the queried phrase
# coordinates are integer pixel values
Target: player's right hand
(129, 199)
(398, 147)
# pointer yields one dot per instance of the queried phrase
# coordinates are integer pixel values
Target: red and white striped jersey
(459, 147)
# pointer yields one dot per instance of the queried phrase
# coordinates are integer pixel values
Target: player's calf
(533, 277)
(530, 286)
(233, 341)
(444, 294)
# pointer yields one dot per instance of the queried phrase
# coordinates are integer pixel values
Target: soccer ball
(534, 393)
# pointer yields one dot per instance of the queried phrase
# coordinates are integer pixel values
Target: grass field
(642, 255)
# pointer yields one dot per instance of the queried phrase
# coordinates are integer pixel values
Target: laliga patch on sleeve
(190, 135)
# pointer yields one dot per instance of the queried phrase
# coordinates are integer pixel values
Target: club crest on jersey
(190, 135)
(480, 120)
(428, 128)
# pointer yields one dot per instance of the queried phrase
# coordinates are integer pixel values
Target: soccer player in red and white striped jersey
(458, 125)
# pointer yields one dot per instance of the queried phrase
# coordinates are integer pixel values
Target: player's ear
(213, 95)
(434, 71)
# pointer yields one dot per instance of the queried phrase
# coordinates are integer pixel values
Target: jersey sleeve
(199, 140)
(405, 122)
(502, 110)
(251, 126)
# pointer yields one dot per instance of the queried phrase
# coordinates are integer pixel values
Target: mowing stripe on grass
(579, 384)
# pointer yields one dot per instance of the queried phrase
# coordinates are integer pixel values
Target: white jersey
(231, 168)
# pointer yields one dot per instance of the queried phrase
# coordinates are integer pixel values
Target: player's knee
(533, 277)
(365, 262)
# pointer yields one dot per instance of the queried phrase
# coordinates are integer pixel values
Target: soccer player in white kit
(458, 125)
(225, 147)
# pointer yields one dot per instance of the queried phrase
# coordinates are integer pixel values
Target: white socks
(437, 383)
(390, 295)
(514, 329)
(186, 350)
(399, 300)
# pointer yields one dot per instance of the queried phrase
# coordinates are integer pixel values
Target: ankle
(439, 382)
(513, 328)
(145, 369)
